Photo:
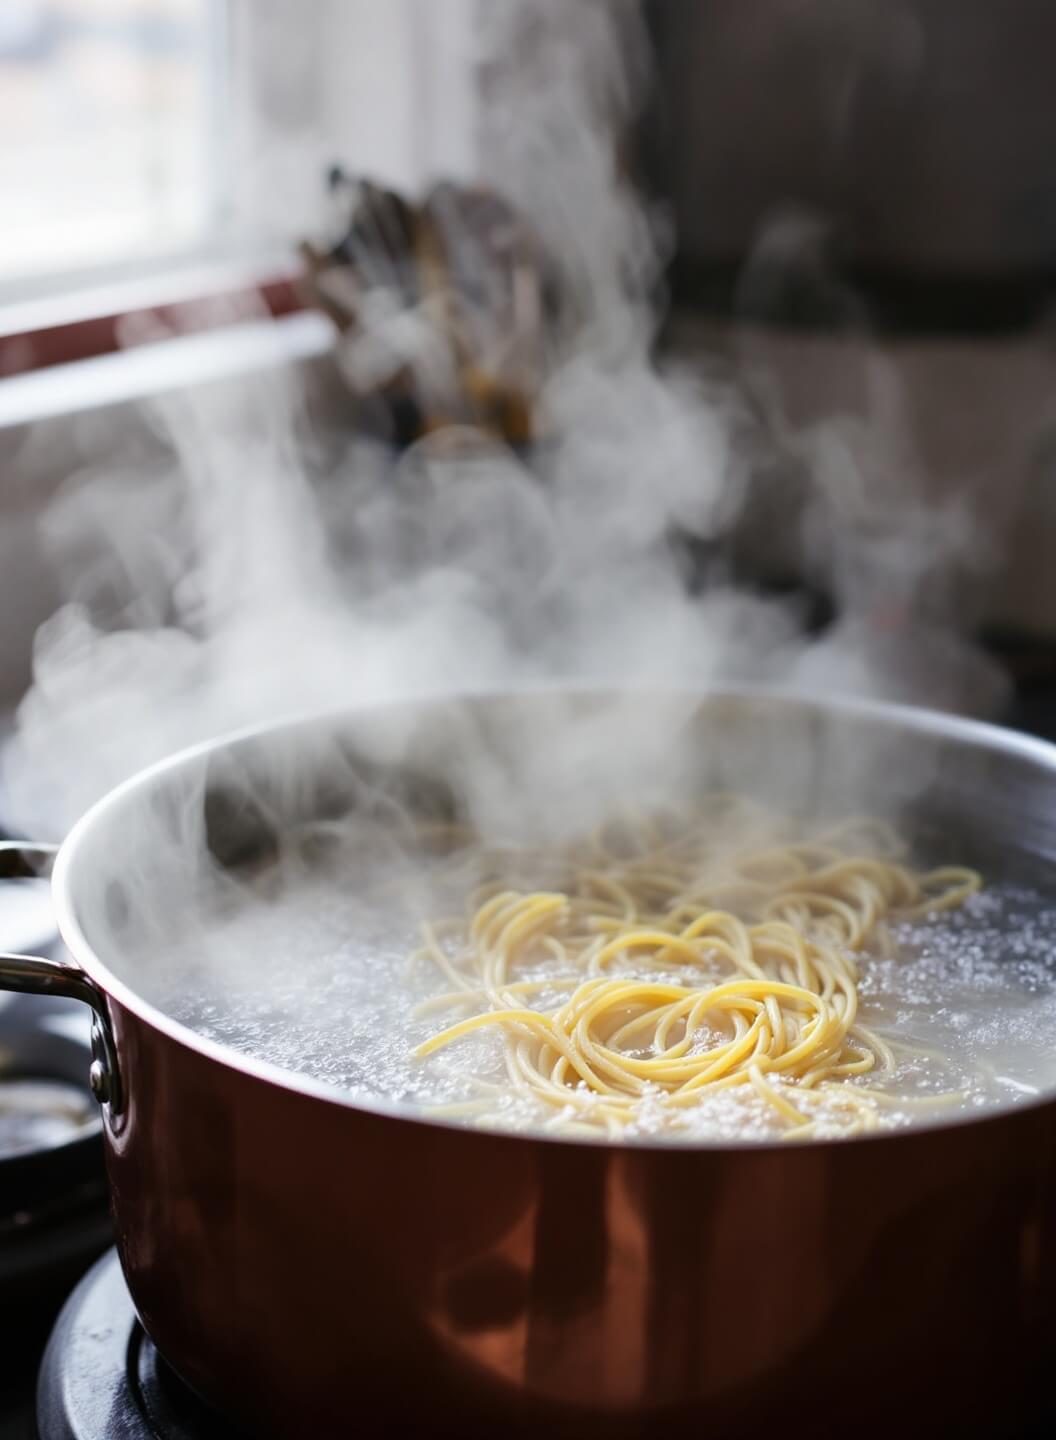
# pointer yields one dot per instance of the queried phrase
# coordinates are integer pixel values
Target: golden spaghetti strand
(751, 977)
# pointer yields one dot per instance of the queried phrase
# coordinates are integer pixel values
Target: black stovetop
(101, 1376)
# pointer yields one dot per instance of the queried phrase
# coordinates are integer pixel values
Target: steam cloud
(256, 574)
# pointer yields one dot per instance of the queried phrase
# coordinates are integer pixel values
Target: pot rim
(913, 719)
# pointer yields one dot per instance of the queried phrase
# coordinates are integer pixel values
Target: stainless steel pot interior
(970, 793)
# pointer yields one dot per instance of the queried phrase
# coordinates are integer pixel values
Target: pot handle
(35, 975)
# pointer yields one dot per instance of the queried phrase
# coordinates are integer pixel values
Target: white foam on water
(319, 980)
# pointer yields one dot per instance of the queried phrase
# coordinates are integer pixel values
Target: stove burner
(102, 1377)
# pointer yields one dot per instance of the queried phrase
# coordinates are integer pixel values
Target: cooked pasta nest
(670, 962)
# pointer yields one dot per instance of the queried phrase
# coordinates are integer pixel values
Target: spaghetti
(667, 966)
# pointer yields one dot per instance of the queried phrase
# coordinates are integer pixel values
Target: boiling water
(316, 977)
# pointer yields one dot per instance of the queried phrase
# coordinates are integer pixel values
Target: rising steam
(259, 574)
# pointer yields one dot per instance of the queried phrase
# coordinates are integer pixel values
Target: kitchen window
(155, 151)
(108, 112)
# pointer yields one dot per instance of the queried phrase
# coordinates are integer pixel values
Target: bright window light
(107, 109)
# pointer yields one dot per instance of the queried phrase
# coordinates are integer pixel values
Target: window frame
(258, 50)
(57, 316)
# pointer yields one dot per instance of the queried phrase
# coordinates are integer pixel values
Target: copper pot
(313, 1266)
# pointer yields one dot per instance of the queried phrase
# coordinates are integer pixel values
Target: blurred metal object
(54, 1215)
(44, 1099)
(26, 860)
(440, 308)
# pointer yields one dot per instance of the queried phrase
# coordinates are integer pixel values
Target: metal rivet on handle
(99, 1081)
(102, 1074)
